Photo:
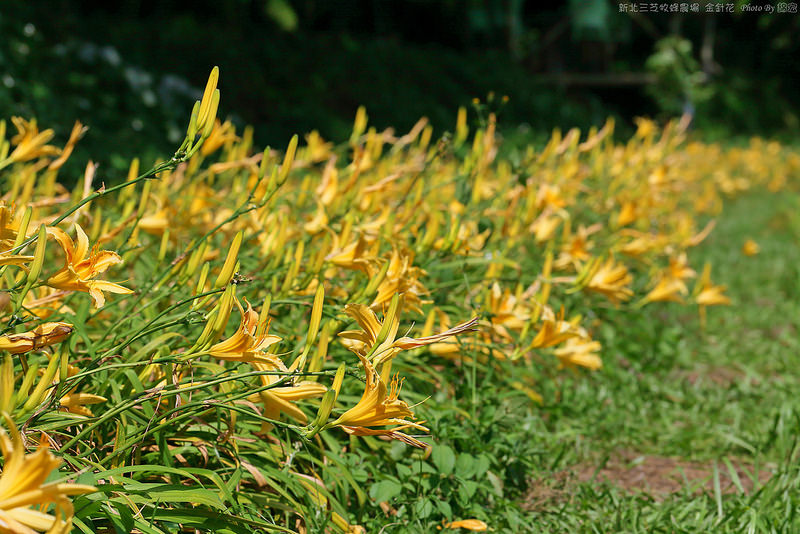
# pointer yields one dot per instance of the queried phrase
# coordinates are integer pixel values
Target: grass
(714, 409)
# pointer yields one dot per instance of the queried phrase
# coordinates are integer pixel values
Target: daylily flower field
(247, 340)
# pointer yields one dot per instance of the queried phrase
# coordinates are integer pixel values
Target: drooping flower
(22, 487)
(475, 525)
(43, 335)
(709, 294)
(82, 266)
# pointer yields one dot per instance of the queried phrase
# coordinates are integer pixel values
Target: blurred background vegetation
(131, 69)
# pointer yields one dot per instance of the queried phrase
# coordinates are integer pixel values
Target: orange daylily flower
(379, 407)
(249, 342)
(611, 280)
(80, 268)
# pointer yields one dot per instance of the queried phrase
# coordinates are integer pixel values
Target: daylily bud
(263, 320)
(388, 320)
(191, 131)
(223, 314)
(205, 114)
(462, 130)
(262, 168)
(376, 280)
(327, 403)
(288, 159)
(359, 125)
(23, 227)
(316, 314)
(228, 268)
(45, 381)
(30, 375)
(201, 284)
(322, 348)
(209, 125)
(162, 249)
(6, 384)
(38, 256)
(313, 327)
(194, 259)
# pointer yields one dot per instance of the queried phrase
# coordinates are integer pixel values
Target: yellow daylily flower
(223, 132)
(43, 335)
(359, 255)
(709, 294)
(249, 342)
(401, 277)
(554, 330)
(75, 402)
(22, 487)
(580, 352)
(363, 342)
(474, 525)
(9, 230)
(82, 266)
(627, 214)
(29, 142)
(277, 400)
(544, 227)
(750, 248)
(78, 131)
(575, 250)
(679, 268)
(379, 407)
(611, 279)
(506, 311)
(667, 290)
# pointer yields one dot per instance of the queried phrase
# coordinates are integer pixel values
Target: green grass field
(683, 430)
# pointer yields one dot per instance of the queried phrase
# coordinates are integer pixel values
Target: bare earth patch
(657, 476)
(715, 375)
